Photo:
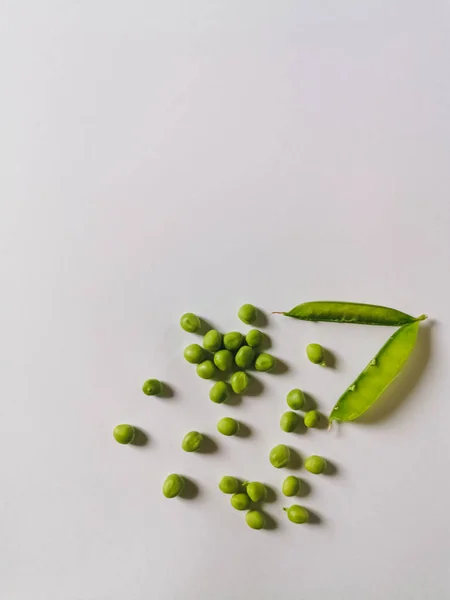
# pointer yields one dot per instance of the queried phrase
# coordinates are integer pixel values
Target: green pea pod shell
(351, 312)
(377, 376)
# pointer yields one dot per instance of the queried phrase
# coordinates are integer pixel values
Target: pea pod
(351, 312)
(378, 374)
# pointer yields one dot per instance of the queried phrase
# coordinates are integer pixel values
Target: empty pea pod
(351, 312)
(377, 376)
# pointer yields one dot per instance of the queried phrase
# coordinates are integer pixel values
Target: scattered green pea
(173, 486)
(240, 501)
(256, 491)
(239, 382)
(255, 519)
(233, 340)
(247, 313)
(279, 456)
(254, 338)
(244, 357)
(124, 434)
(316, 354)
(312, 418)
(291, 485)
(228, 426)
(206, 369)
(212, 341)
(219, 392)
(152, 387)
(194, 353)
(315, 464)
(190, 322)
(191, 441)
(289, 421)
(297, 514)
(229, 485)
(295, 399)
(264, 362)
(223, 359)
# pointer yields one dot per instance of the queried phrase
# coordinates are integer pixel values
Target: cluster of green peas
(229, 350)
(226, 352)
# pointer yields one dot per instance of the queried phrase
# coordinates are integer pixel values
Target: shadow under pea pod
(394, 398)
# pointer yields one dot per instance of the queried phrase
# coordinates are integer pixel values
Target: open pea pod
(377, 376)
(350, 312)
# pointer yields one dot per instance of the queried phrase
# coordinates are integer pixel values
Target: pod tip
(422, 318)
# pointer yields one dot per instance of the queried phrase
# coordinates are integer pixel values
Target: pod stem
(277, 313)
(330, 423)
(422, 318)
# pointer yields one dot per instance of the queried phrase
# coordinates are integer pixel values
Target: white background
(158, 157)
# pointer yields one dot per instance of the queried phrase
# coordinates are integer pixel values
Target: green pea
(254, 338)
(219, 392)
(233, 340)
(206, 369)
(191, 441)
(315, 464)
(240, 501)
(316, 354)
(124, 434)
(152, 387)
(295, 399)
(229, 485)
(223, 359)
(190, 322)
(244, 357)
(173, 486)
(289, 421)
(297, 514)
(256, 491)
(194, 353)
(247, 313)
(264, 362)
(228, 426)
(212, 341)
(239, 382)
(291, 485)
(255, 519)
(279, 456)
(312, 418)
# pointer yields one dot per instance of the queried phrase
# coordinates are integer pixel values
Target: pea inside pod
(351, 312)
(377, 376)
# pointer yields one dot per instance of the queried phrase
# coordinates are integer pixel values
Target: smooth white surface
(159, 157)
